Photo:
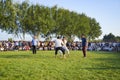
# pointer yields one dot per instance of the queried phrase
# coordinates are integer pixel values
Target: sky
(106, 12)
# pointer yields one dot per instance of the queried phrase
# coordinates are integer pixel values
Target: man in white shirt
(58, 46)
(34, 44)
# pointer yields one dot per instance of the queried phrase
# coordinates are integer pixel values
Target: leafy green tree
(95, 29)
(41, 20)
(7, 16)
(54, 17)
(117, 38)
(67, 23)
(83, 26)
(109, 38)
(38, 20)
(30, 21)
(21, 12)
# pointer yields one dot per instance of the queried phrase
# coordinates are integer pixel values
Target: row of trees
(111, 38)
(25, 18)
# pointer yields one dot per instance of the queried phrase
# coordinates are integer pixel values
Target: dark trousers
(34, 48)
(84, 51)
(59, 48)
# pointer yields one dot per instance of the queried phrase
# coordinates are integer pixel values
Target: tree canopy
(25, 18)
(111, 38)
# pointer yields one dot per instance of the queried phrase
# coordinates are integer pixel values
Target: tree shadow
(106, 64)
(102, 68)
(22, 56)
(15, 56)
(107, 59)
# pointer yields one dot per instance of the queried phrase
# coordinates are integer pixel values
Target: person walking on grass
(34, 45)
(84, 45)
(58, 46)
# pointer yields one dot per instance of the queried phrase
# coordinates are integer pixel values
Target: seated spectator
(26, 48)
(1, 48)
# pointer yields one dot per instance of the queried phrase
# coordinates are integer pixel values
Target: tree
(109, 38)
(83, 26)
(38, 20)
(7, 16)
(21, 10)
(95, 29)
(117, 38)
(42, 20)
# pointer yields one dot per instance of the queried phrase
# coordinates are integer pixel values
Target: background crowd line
(49, 45)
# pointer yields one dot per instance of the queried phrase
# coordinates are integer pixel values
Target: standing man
(34, 44)
(58, 46)
(84, 45)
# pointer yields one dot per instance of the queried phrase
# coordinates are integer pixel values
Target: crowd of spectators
(96, 46)
(49, 45)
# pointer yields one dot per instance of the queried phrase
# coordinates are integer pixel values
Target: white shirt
(35, 42)
(58, 43)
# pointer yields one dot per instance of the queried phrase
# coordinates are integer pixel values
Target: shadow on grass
(102, 68)
(16, 56)
(22, 56)
(107, 59)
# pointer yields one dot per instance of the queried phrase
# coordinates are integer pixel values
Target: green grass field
(23, 65)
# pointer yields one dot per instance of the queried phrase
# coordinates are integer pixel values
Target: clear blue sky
(106, 12)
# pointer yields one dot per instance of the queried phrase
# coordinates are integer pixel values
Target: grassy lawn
(23, 65)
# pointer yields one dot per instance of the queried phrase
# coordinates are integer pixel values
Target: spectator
(34, 44)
